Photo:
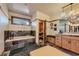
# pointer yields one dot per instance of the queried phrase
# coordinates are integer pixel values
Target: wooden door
(42, 32)
(41, 26)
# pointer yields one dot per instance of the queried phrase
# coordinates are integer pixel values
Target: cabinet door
(58, 41)
(77, 46)
(74, 45)
(48, 39)
(66, 42)
(52, 40)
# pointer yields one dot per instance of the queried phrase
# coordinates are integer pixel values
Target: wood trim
(19, 18)
(46, 20)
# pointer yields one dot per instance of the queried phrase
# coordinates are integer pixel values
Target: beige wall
(50, 31)
(39, 15)
(42, 16)
(37, 32)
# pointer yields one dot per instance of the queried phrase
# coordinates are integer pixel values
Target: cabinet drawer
(51, 40)
(58, 41)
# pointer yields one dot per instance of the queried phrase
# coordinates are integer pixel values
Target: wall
(36, 16)
(42, 16)
(50, 31)
(3, 25)
(37, 32)
(18, 27)
(39, 15)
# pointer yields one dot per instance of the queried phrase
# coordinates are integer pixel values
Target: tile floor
(24, 51)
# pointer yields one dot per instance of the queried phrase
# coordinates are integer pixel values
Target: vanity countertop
(71, 34)
(18, 38)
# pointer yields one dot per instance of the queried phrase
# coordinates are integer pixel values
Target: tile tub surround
(8, 34)
(14, 37)
(17, 42)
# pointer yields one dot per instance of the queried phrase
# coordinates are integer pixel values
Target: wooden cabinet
(71, 43)
(75, 44)
(66, 42)
(42, 33)
(51, 39)
(58, 41)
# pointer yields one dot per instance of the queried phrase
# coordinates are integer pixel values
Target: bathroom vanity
(69, 41)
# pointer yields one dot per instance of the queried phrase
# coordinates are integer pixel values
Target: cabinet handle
(69, 42)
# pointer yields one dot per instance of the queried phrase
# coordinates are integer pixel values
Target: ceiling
(48, 8)
(51, 9)
(20, 8)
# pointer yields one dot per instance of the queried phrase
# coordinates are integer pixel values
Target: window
(20, 21)
(33, 24)
(76, 28)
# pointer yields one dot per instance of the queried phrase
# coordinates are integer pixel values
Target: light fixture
(71, 13)
(63, 14)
